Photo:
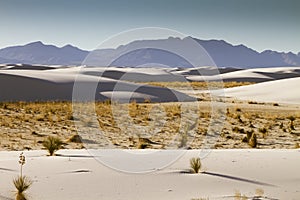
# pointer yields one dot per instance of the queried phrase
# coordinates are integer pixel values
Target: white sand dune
(252, 75)
(58, 84)
(279, 91)
(77, 176)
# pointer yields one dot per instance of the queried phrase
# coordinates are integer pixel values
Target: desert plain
(185, 112)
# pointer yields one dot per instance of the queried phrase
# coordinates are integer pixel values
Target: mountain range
(222, 53)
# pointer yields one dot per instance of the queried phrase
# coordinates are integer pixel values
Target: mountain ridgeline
(139, 54)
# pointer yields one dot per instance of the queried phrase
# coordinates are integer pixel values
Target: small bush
(195, 165)
(249, 135)
(239, 117)
(281, 125)
(143, 146)
(22, 183)
(52, 144)
(262, 130)
(76, 139)
(253, 141)
(292, 119)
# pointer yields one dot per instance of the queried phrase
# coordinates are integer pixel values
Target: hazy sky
(259, 24)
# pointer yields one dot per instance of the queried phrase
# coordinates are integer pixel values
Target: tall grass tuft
(52, 144)
(195, 164)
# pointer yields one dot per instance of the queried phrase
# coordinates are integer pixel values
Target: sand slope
(279, 91)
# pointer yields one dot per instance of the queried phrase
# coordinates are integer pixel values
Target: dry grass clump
(239, 196)
(195, 164)
(52, 144)
(173, 110)
(140, 113)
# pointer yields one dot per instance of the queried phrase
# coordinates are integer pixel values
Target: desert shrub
(21, 183)
(249, 135)
(238, 110)
(259, 192)
(292, 119)
(253, 141)
(245, 139)
(263, 131)
(251, 125)
(173, 110)
(281, 125)
(235, 129)
(239, 196)
(239, 117)
(75, 138)
(147, 100)
(195, 164)
(143, 145)
(52, 144)
(252, 102)
(70, 117)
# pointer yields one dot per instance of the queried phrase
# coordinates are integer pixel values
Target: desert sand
(226, 174)
(75, 175)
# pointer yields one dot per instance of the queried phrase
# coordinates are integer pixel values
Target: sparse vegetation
(195, 164)
(197, 85)
(26, 125)
(52, 144)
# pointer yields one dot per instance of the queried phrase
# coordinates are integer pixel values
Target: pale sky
(258, 24)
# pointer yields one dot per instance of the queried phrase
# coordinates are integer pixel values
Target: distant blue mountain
(39, 53)
(140, 53)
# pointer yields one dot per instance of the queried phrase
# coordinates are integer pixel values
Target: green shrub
(195, 165)
(52, 144)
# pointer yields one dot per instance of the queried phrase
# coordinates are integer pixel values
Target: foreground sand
(77, 176)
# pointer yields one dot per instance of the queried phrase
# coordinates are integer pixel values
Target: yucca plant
(21, 183)
(52, 144)
(195, 164)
